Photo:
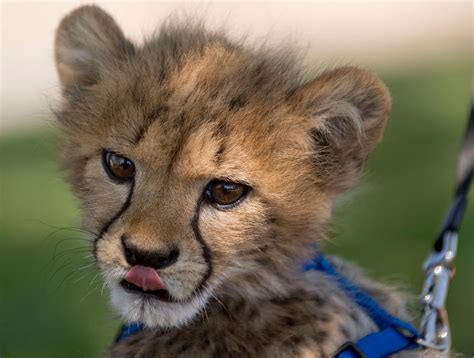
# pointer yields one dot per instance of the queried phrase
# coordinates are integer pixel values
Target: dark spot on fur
(278, 300)
(262, 261)
(272, 220)
(293, 342)
(344, 331)
(183, 348)
(323, 316)
(157, 113)
(317, 300)
(221, 131)
(354, 316)
(219, 157)
(253, 312)
(238, 306)
(320, 335)
(140, 134)
(289, 321)
(296, 340)
(205, 344)
(170, 343)
(237, 102)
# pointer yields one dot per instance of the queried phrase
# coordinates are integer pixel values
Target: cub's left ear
(87, 41)
(347, 110)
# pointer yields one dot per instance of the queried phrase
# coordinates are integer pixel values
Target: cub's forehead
(211, 112)
(236, 145)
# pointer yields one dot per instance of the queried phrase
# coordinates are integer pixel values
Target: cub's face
(203, 168)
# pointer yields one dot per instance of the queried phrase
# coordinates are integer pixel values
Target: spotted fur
(190, 106)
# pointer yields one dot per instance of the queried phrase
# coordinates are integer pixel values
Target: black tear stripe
(107, 225)
(206, 252)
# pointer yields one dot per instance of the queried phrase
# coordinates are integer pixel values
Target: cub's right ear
(347, 109)
(87, 40)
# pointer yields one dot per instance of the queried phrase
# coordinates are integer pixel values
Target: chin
(154, 312)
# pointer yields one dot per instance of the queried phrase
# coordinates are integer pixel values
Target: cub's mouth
(145, 281)
(161, 294)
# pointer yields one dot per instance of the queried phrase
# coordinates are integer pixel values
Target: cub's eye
(118, 167)
(225, 193)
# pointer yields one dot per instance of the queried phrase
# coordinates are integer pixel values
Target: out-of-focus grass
(44, 310)
(51, 305)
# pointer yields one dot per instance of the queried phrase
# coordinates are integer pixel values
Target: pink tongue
(145, 277)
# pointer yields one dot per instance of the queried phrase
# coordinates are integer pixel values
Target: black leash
(464, 179)
(439, 267)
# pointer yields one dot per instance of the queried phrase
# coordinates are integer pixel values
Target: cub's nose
(156, 259)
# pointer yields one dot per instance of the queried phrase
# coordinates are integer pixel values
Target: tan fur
(190, 106)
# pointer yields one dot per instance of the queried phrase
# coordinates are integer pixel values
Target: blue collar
(128, 330)
(394, 334)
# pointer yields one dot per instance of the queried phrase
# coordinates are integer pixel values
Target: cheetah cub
(207, 171)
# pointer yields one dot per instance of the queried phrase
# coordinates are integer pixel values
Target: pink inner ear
(145, 277)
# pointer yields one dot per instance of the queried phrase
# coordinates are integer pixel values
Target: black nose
(156, 259)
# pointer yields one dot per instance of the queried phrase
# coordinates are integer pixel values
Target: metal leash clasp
(439, 269)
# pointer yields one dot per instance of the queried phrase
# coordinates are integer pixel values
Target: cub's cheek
(235, 236)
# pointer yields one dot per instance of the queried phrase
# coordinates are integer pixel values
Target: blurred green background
(51, 299)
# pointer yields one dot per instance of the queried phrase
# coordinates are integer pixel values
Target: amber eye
(225, 194)
(118, 167)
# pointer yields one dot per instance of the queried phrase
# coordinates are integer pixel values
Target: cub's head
(204, 168)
